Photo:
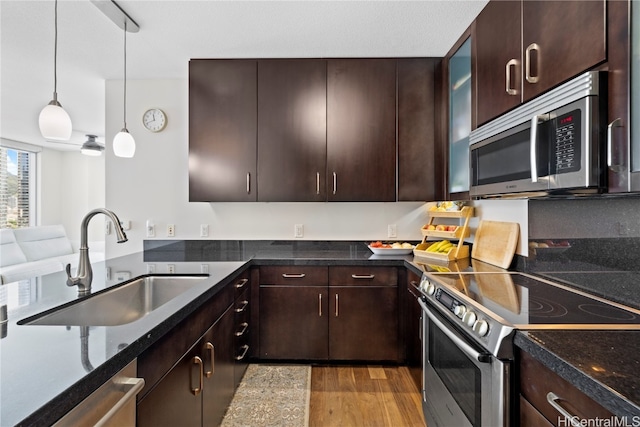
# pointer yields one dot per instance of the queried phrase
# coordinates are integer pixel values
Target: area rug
(271, 395)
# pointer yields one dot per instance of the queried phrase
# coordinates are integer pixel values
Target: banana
(435, 246)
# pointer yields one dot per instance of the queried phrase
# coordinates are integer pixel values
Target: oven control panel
(467, 317)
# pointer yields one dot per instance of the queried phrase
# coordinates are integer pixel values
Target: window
(17, 187)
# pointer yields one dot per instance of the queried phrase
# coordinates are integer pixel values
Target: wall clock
(154, 119)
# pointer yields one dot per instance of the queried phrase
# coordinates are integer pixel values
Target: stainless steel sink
(119, 305)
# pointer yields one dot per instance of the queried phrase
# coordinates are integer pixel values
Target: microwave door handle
(534, 147)
(466, 348)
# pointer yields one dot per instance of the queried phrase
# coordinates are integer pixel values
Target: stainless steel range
(468, 323)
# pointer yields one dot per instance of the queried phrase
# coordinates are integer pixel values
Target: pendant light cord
(55, 53)
(125, 74)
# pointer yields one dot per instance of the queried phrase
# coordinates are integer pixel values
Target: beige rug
(271, 395)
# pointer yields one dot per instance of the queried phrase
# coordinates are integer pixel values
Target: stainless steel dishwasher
(113, 404)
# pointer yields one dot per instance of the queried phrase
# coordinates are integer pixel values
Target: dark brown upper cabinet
(292, 130)
(298, 130)
(525, 48)
(418, 164)
(222, 130)
(498, 59)
(361, 130)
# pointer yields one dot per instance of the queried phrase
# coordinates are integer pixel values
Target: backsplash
(598, 235)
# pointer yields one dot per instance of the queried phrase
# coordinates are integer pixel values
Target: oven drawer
(547, 391)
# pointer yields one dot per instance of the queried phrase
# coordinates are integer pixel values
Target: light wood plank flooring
(376, 396)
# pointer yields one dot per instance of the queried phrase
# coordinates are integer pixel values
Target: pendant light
(123, 144)
(54, 122)
(91, 147)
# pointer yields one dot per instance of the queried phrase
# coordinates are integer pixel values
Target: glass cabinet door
(459, 118)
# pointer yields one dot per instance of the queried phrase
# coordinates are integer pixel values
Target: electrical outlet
(204, 268)
(125, 224)
(107, 227)
(151, 229)
(298, 230)
(171, 230)
(121, 276)
(392, 231)
(151, 268)
(204, 230)
(171, 268)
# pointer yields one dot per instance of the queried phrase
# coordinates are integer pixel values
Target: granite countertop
(602, 364)
(43, 375)
(43, 371)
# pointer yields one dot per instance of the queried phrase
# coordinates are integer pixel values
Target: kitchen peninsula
(43, 377)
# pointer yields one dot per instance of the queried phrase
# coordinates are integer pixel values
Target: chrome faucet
(84, 274)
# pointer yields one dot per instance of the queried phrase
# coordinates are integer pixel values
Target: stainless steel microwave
(553, 144)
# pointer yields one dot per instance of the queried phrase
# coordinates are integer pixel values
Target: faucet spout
(84, 274)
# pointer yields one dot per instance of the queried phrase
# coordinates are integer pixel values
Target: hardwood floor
(354, 396)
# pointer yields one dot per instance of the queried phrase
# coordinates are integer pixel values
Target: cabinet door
(216, 348)
(173, 401)
(418, 168)
(292, 127)
(222, 130)
(560, 40)
(293, 322)
(498, 59)
(361, 130)
(460, 118)
(363, 323)
(242, 334)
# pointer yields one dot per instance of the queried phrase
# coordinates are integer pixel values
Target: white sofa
(35, 251)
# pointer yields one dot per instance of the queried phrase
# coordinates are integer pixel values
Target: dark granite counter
(43, 374)
(45, 371)
(602, 364)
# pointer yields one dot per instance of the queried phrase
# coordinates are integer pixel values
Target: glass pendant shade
(91, 147)
(123, 144)
(55, 123)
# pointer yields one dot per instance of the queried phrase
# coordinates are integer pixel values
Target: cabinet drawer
(530, 416)
(537, 381)
(293, 275)
(363, 276)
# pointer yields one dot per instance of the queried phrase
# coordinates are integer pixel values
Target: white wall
(71, 185)
(154, 186)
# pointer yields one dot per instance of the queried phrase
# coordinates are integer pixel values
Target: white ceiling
(90, 46)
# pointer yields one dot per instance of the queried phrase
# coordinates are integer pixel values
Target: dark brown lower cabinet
(242, 330)
(293, 322)
(351, 314)
(542, 392)
(198, 389)
(363, 323)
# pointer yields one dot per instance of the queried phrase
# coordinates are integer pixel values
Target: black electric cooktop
(531, 303)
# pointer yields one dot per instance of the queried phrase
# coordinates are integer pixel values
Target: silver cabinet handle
(317, 182)
(617, 123)
(244, 325)
(534, 147)
(363, 276)
(197, 361)
(527, 65)
(293, 276)
(336, 305)
(553, 399)
(136, 385)
(511, 63)
(245, 303)
(248, 182)
(335, 183)
(319, 305)
(244, 348)
(241, 283)
(212, 353)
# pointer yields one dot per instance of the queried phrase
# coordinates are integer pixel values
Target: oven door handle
(469, 351)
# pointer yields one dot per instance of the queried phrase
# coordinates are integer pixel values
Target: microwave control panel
(566, 150)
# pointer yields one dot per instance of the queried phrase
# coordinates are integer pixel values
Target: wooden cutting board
(495, 242)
